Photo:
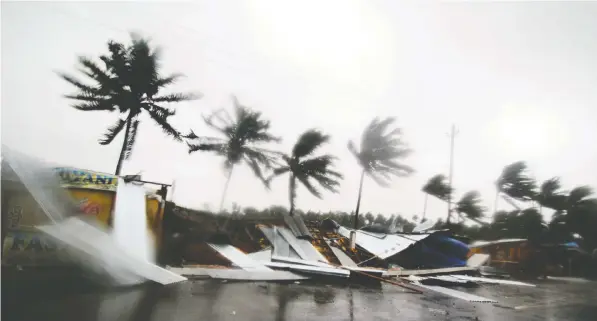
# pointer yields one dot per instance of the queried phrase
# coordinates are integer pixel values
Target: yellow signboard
(94, 193)
(75, 178)
(28, 248)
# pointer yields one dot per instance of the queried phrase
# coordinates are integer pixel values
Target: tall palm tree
(581, 214)
(379, 154)
(551, 196)
(515, 182)
(240, 141)
(129, 82)
(470, 206)
(436, 186)
(304, 167)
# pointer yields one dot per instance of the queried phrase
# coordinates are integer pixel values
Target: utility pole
(453, 133)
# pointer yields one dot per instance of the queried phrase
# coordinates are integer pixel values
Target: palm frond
(470, 205)
(380, 149)
(190, 135)
(578, 195)
(169, 80)
(305, 181)
(85, 89)
(94, 106)
(213, 147)
(308, 142)
(160, 116)
(93, 71)
(176, 97)
(438, 186)
(515, 182)
(112, 132)
(268, 159)
(256, 169)
(277, 172)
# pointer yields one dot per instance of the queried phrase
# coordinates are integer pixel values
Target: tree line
(127, 80)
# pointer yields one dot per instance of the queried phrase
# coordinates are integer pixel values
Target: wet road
(216, 300)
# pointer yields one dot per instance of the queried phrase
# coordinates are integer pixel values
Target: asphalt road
(217, 300)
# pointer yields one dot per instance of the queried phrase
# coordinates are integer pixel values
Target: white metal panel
(130, 228)
(304, 248)
(310, 269)
(344, 259)
(457, 294)
(99, 251)
(261, 256)
(477, 259)
(299, 261)
(235, 274)
(383, 245)
(238, 258)
(492, 281)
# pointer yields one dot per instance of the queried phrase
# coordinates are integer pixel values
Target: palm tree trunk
(123, 149)
(424, 207)
(356, 212)
(225, 188)
(291, 193)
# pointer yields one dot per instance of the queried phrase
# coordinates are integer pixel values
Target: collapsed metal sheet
(456, 294)
(477, 259)
(235, 274)
(285, 244)
(383, 245)
(492, 281)
(238, 258)
(99, 251)
(344, 259)
(299, 261)
(281, 247)
(304, 248)
(297, 226)
(261, 256)
(309, 269)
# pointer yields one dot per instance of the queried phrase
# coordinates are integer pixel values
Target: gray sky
(518, 79)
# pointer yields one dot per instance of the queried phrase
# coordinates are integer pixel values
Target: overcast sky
(519, 80)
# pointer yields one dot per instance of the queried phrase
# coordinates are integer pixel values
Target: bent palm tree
(551, 196)
(129, 82)
(304, 168)
(241, 137)
(436, 186)
(515, 182)
(470, 206)
(378, 156)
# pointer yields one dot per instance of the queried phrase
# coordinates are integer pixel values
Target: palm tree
(470, 206)
(303, 166)
(515, 182)
(551, 196)
(580, 197)
(242, 136)
(128, 82)
(436, 186)
(380, 151)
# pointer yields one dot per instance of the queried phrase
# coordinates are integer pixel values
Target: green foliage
(129, 82)
(241, 137)
(515, 182)
(380, 151)
(438, 186)
(470, 205)
(306, 169)
(551, 196)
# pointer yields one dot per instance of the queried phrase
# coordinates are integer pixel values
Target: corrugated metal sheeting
(238, 258)
(383, 245)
